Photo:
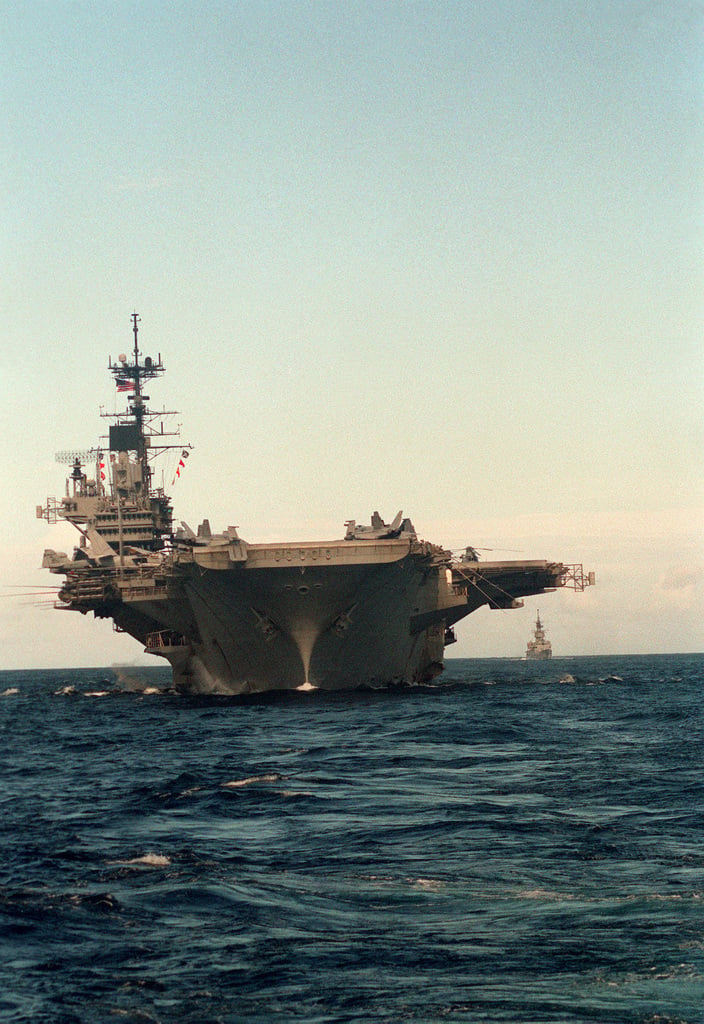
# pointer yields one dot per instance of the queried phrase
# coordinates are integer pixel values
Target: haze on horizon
(438, 257)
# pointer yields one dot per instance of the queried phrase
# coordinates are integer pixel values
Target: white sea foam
(427, 884)
(9, 692)
(128, 679)
(543, 894)
(236, 783)
(150, 860)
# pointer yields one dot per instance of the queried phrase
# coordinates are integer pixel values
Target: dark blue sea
(519, 842)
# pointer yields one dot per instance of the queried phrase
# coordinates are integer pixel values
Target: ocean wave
(469, 852)
(238, 783)
(148, 860)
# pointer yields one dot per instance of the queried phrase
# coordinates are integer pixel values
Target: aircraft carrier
(375, 608)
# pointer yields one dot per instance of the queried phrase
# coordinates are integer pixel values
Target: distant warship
(539, 648)
(374, 608)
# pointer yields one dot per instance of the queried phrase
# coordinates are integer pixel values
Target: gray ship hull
(233, 618)
(368, 614)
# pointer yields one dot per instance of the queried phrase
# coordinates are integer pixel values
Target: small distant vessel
(539, 648)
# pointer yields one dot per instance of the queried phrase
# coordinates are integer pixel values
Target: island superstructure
(539, 648)
(376, 607)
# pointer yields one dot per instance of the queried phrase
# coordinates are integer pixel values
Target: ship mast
(131, 433)
(138, 409)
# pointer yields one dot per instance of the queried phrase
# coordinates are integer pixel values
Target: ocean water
(519, 842)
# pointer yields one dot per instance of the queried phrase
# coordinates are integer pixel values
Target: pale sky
(440, 257)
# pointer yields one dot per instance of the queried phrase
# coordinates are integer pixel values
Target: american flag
(124, 384)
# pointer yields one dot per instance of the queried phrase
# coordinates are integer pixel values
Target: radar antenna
(76, 454)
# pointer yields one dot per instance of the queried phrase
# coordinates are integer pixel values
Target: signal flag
(181, 465)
